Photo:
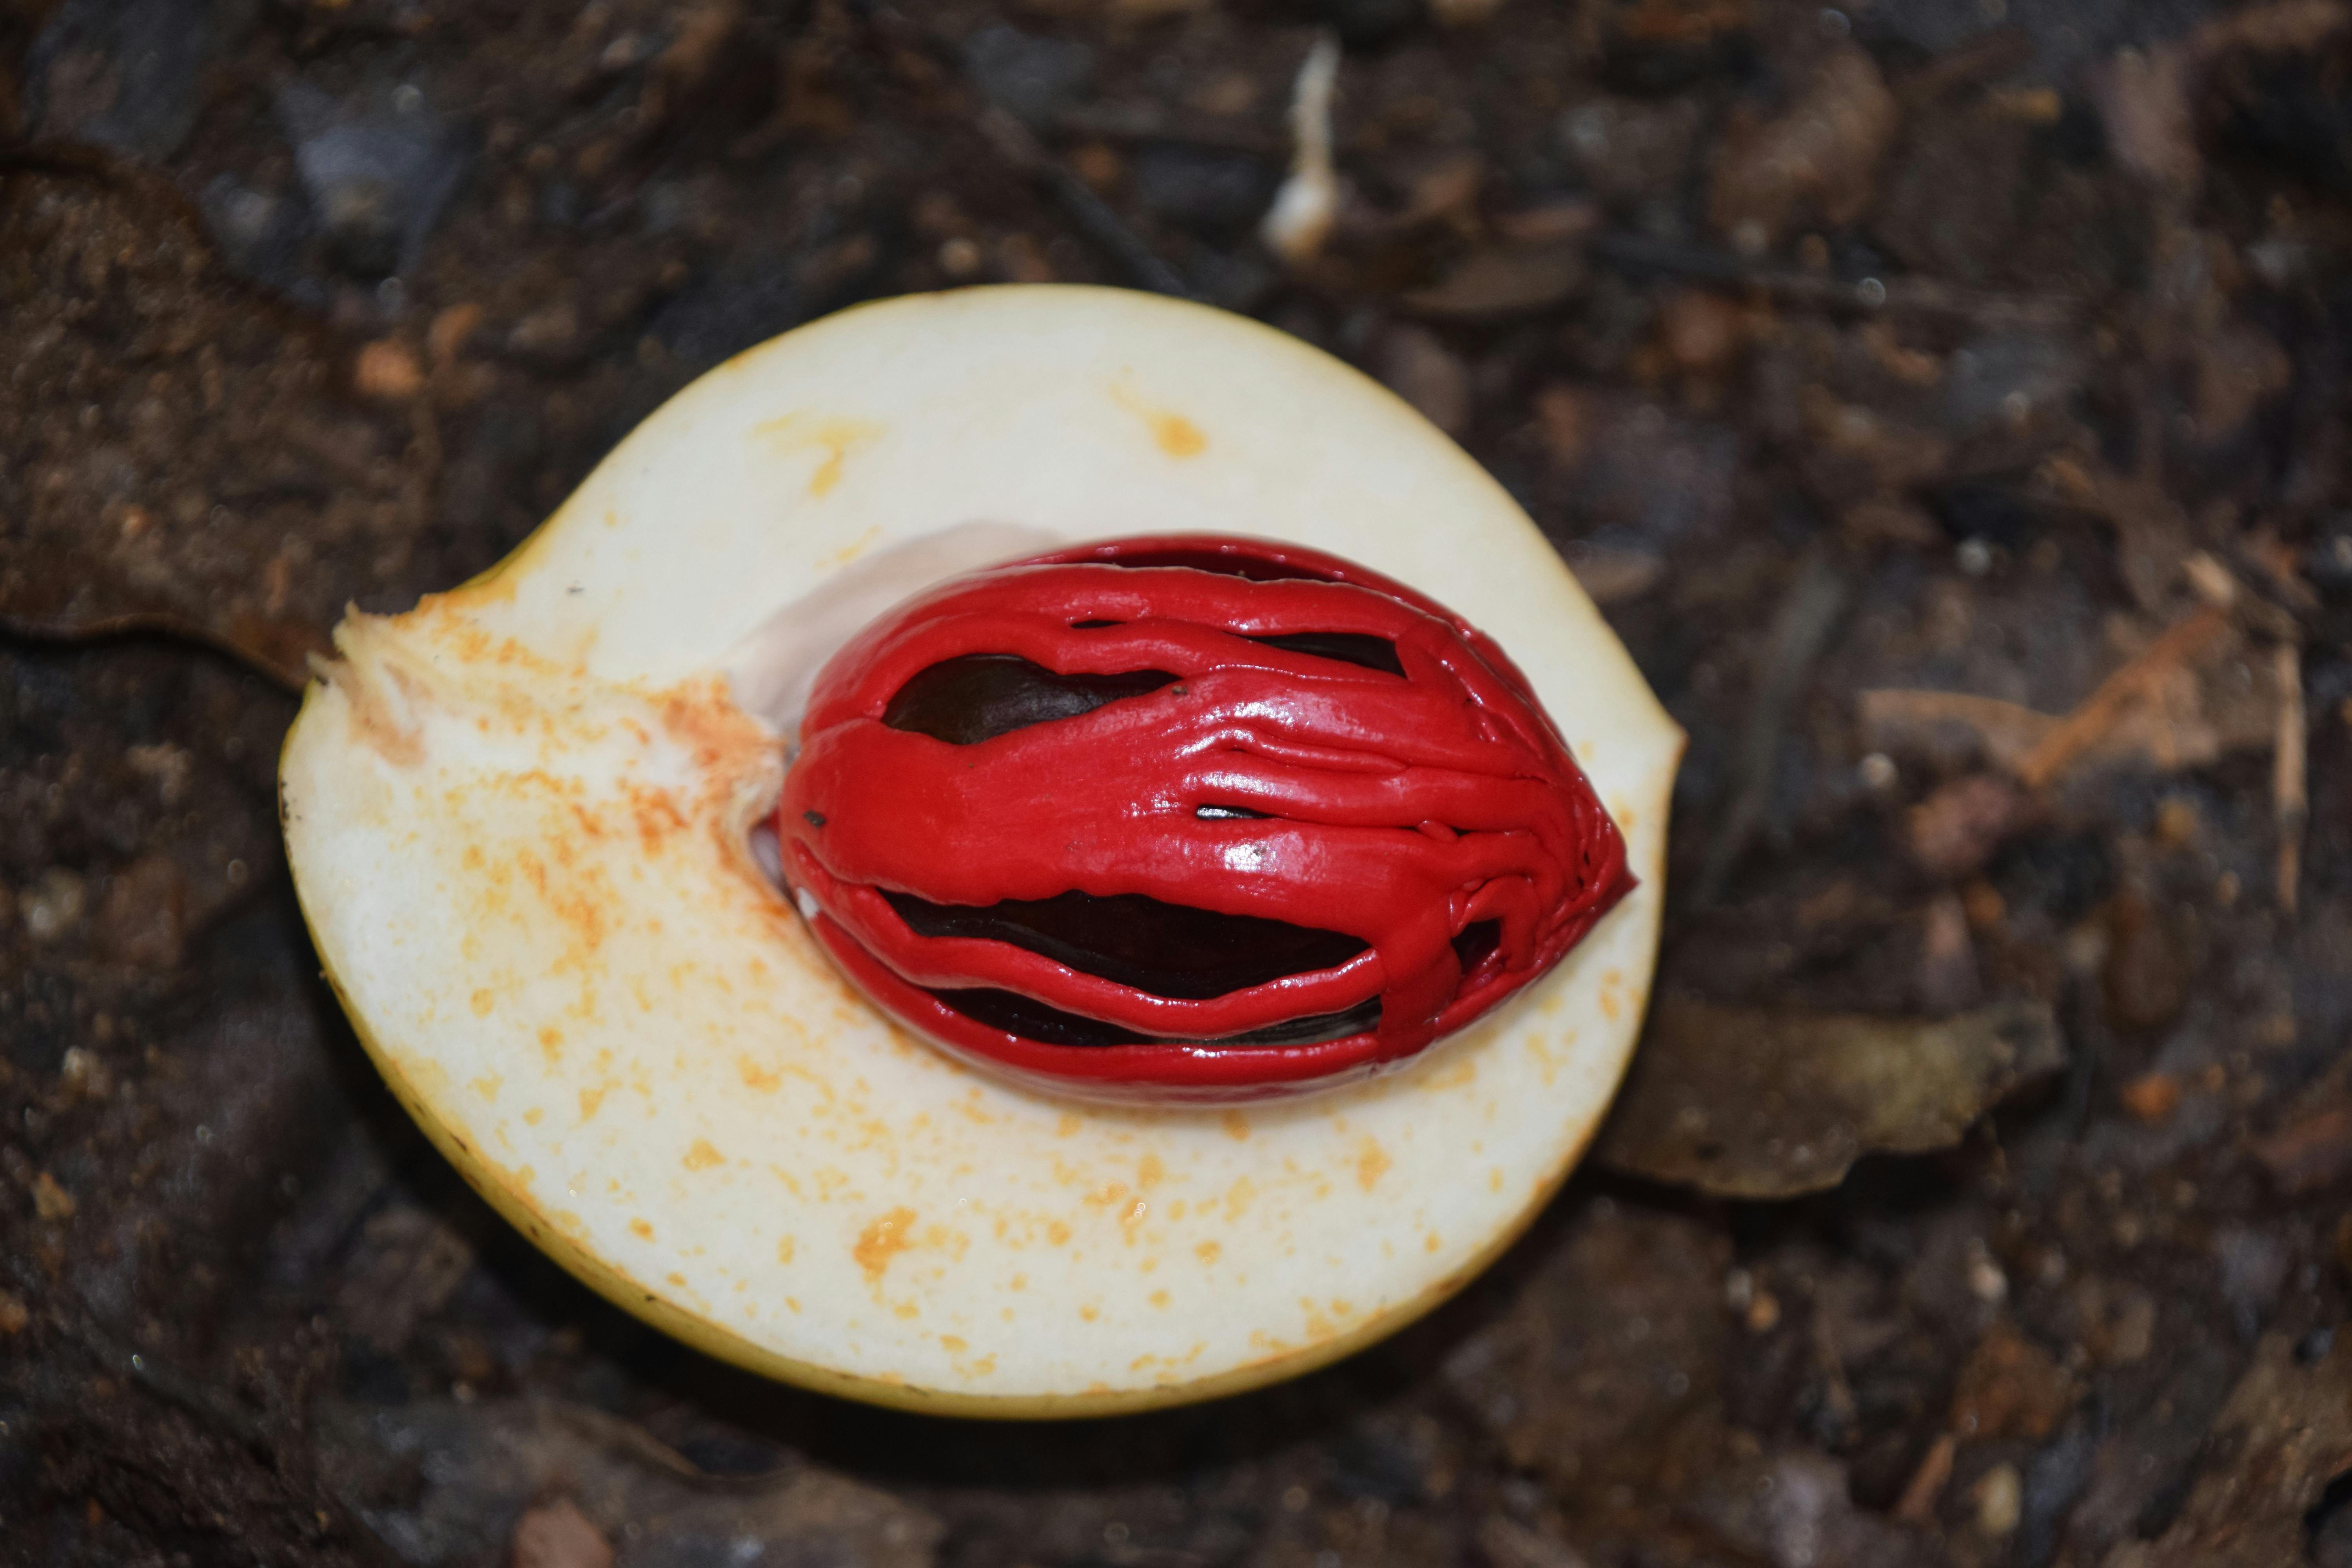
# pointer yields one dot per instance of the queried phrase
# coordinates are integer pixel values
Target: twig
(1153, 123)
(2290, 791)
(1807, 290)
(1144, 265)
(2098, 714)
(1918, 1505)
(1799, 631)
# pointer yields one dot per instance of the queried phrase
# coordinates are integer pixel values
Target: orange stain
(836, 439)
(882, 1241)
(1174, 435)
(701, 1156)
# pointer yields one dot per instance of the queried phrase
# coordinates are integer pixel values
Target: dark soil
(1854, 359)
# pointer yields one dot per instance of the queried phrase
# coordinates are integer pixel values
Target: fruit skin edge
(725, 1345)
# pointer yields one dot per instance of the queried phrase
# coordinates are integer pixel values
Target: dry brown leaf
(2279, 1442)
(1505, 280)
(1748, 1102)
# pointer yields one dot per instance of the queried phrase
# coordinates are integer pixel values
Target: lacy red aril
(1201, 818)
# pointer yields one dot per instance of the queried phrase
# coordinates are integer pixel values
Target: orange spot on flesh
(1174, 435)
(836, 439)
(883, 1240)
(701, 1156)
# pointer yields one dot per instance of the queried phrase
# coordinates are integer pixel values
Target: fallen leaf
(2279, 1443)
(1505, 280)
(1749, 1102)
(194, 494)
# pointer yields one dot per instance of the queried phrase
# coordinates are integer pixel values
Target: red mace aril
(1188, 820)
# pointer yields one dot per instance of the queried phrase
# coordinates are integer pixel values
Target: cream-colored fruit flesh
(518, 822)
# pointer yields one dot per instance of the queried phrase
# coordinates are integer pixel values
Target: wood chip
(2289, 785)
(1917, 1504)
(2101, 712)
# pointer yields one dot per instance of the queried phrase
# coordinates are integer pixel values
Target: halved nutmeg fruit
(1243, 809)
(1196, 819)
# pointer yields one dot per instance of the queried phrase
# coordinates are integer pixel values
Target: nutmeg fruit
(540, 829)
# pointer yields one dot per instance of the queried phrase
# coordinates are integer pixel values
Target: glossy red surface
(1397, 810)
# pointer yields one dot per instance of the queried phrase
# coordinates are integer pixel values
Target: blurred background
(1946, 400)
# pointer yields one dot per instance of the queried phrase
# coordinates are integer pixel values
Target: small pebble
(1987, 1283)
(959, 258)
(1702, 331)
(2152, 1097)
(387, 370)
(53, 904)
(1739, 1289)
(2000, 1498)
